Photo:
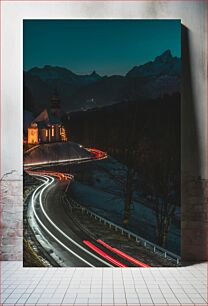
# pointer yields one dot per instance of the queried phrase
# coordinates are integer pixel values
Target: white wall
(191, 13)
(194, 86)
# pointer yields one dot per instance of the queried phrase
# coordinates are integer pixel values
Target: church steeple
(55, 100)
(55, 104)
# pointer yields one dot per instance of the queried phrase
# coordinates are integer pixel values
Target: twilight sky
(107, 46)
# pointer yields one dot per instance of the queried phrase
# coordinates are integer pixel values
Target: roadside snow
(105, 196)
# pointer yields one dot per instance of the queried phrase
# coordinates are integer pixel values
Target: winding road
(47, 205)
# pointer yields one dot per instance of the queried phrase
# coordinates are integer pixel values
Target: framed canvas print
(101, 143)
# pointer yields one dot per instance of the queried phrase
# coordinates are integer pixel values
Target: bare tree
(162, 184)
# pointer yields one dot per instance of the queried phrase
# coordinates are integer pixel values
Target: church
(47, 126)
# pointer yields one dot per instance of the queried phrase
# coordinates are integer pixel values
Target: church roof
(42, 124)
(47, 117)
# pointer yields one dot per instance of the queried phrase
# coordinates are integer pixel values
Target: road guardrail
(147, 244)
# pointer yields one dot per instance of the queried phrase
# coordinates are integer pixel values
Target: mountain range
(82, 92)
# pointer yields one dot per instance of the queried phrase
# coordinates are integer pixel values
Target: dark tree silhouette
(144, 135)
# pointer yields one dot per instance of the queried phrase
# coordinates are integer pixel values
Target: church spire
(55, 103)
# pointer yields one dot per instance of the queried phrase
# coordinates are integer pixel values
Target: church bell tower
(55, 104)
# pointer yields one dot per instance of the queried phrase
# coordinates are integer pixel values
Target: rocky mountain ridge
(82, 92)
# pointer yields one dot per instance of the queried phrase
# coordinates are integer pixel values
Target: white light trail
(57, 228)
(46, 229)
(62, 161)
(57, 161)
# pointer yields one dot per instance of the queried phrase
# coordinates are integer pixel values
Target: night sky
(107, 46)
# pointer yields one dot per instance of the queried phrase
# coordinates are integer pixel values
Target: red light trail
(103, 254)
(98, 154)
(61, 176)
(124, 255)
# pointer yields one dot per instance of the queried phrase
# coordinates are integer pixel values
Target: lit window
(46, 133)
(52, 131)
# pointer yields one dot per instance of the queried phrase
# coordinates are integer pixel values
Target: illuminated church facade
(47, 126)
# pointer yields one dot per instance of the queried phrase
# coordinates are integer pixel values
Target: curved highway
(59, 228)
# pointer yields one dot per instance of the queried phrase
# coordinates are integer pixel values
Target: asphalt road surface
(58, 227)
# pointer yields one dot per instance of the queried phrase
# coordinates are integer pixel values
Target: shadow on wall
(193, 224)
